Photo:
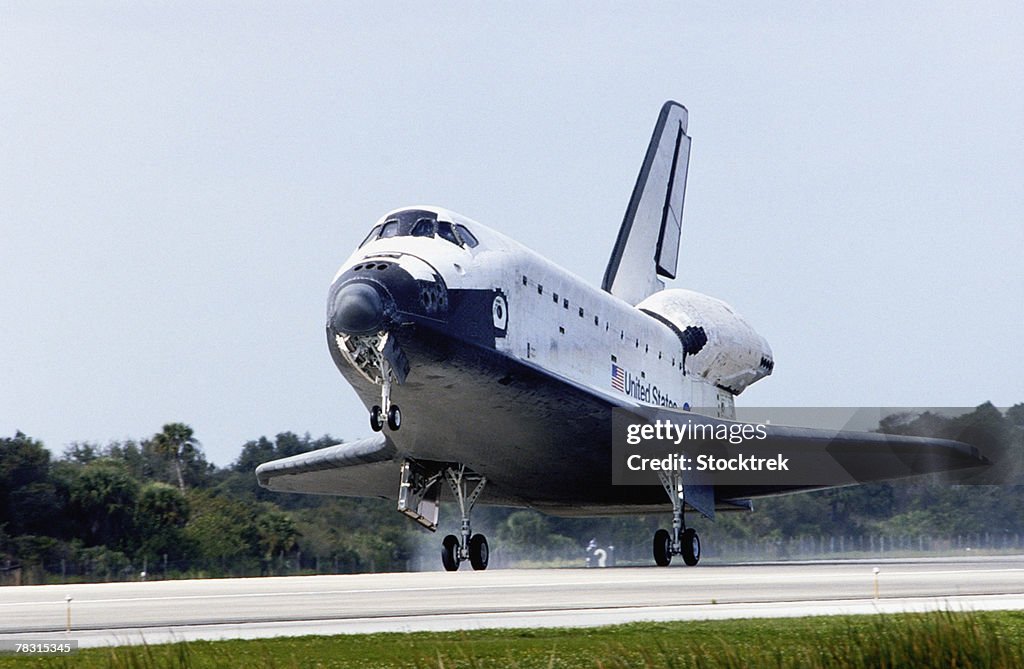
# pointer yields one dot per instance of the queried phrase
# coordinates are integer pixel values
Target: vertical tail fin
(647, 247)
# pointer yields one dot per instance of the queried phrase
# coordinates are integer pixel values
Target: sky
(180, 181)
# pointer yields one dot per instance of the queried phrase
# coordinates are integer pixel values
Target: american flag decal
(618, 378)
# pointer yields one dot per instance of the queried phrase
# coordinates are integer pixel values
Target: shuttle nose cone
(358, 309)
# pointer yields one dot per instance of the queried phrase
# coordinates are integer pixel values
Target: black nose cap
(358, 309)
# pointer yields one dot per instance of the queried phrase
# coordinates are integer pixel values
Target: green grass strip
(942, 639)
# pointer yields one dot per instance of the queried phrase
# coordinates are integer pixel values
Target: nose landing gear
(380, 360)
(394, 417)
(378, 418)
(390, 412)
(384, 352)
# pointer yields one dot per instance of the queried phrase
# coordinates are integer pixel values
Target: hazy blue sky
(180, 181)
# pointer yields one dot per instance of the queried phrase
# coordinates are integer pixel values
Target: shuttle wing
(816, 458)
(363, 468)
(647, 247)
(833, 458)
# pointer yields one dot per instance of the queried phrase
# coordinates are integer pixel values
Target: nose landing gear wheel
(478, 552)
(691, 547)
(376, 418)
(662, 548)
(450, 553)
(394, 418)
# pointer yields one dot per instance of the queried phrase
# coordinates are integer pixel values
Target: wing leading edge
(363, 468)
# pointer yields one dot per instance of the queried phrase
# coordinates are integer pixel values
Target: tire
(450, 553)
(376, 418)
(394, 418)
(691, 547)
(662, 548)
(479, 553)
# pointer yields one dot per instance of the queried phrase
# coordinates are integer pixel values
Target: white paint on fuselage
(557, 321)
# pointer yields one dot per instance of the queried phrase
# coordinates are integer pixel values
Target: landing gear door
(420, 494)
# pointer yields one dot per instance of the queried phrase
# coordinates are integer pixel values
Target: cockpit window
(390, 229)
(372, 235)
(444, 231)
(423, 228)
(466, 236)
(420, 223)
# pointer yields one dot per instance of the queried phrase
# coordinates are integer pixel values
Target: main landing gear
(681, 540)
(472, 547)
(419, 497)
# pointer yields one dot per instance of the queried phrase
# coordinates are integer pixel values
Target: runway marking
(625, 582)
(784, 605)
(580, 617)
(338, 604)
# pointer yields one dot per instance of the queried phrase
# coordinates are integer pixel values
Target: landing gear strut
(472, 547)
(681, 540)
(419, 497)
(389, 412)
(379, 359)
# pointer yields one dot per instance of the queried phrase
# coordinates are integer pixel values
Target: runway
(160, 611)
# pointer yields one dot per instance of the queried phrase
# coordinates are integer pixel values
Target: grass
(943, 639)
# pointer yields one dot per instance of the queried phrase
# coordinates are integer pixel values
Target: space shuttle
(490, 374)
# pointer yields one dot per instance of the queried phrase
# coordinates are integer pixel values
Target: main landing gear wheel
(681, 540)
(376, 418)
(691, 546)
(662, 548)
(394, 418)
(478, 552)
(450, 553)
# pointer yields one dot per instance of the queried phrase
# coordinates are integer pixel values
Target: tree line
(156, 508)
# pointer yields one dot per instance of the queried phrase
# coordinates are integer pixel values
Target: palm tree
(176, 441)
